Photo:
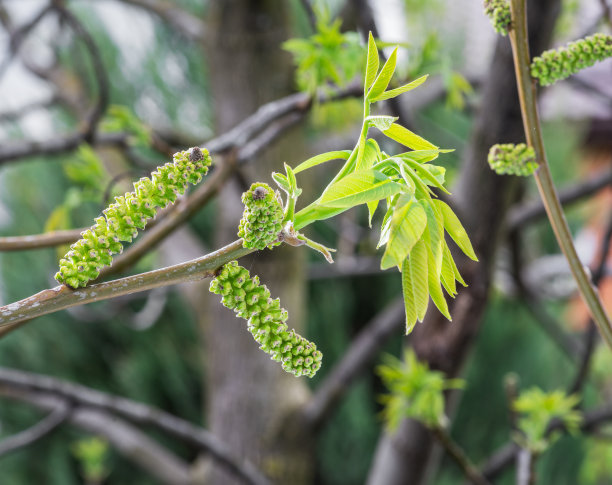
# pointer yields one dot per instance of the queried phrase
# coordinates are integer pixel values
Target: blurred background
(96, 93)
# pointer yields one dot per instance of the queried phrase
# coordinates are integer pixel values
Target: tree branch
(528, 212)
(134, 412)
(41, 429)
(354, 362)
(61, 297)
(543, 177)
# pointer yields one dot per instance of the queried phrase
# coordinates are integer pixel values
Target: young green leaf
(421, 156)
(381, 122)
(383, 78)
(418, 275)
(322, 158)
(359, 187)
(434, 236)
(407, 225)
(448, 254)
(385, 227)
(371, 155)
(409, 306)
(402, 89)
(435, 291)
(426, 174)
(447, 274)
(281, 181)
(456, 230)
(371, 64)
(407, 138)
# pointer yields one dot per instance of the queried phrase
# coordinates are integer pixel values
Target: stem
(546, 187)
(456, 453)
(62, 297)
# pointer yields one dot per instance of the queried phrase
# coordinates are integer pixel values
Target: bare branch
(62, 297)
(533, 210)
(354, 362)
(135, 412)
(36, 432)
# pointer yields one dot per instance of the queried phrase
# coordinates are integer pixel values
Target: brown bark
(250, 398)
(482, 199)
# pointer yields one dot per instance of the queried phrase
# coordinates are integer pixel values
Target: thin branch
(312, 19)
(132, 443)
(591, 333)
(134, 412)
(505, 456)
(525, 468)
(100, 72)
(62, 297)
(543, 177)
(14, 114)
(39, 241)
(531, 211)
(182, 21)
(460, 458)
(354, 362)
(41, 429)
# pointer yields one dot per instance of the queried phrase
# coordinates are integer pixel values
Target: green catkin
(121, 220)
(498, 12)
(512, 159)
(557, 64)
(262, 220)
(266, 320)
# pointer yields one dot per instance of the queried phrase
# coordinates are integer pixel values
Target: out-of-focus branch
(528, 212)
(127, 440)
(354, 362)
(134, 412)
(525, 472)
(100, 72)
(16, 114)
(591, 332)
(312, 19)
(41, 429)
(182, 21)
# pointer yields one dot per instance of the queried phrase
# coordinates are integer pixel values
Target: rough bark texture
(482, 199)
(250, 398)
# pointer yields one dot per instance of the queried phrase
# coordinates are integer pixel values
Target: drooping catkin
(266, 320)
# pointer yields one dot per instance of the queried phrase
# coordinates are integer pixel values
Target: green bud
(266, 320)
(262, 220)
(130, 212)
(512, 159)
(498, 12)
(557, 64)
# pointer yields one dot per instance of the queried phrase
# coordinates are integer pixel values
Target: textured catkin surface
(557, 64)
(120, 221)
(498, 12)
(512, 159)
(262, 220)
(266, 320)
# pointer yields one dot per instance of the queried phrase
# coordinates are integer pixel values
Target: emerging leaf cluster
(415, 391)
(328, 56)
(92, 454)
(415, 220)
(537, 409)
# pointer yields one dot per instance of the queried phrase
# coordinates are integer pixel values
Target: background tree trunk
(249, 397)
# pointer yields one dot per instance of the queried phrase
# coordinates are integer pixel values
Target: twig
(38, 241)
(41, 429)
(459, 456)
(61, 297)
(504, 456)
(354, 362)
(101, 75)
(525, 464)
(591, 333)
(528, 212)
(546, 187)
(134, 412)
(312, 19)
(15, 114)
